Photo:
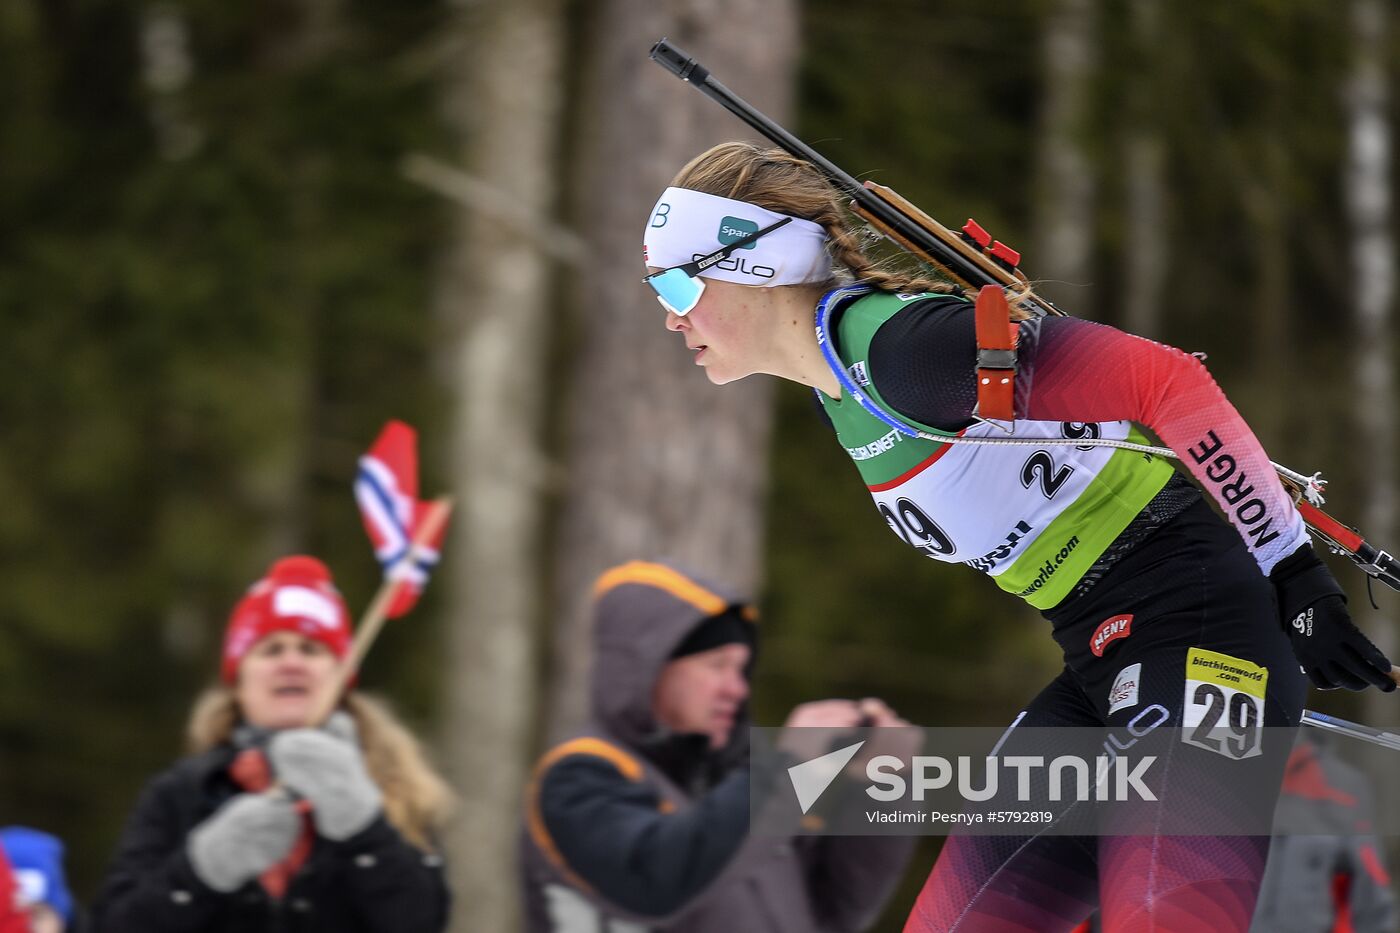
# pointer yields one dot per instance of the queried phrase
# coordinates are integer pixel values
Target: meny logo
(1109, 630)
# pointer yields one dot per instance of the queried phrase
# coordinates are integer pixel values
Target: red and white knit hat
(297, 595)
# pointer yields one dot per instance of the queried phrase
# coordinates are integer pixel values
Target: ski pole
(1355, 730)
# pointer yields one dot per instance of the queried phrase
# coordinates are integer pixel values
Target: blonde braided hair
(777, 181)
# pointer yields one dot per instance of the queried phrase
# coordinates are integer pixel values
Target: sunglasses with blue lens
(679, 288)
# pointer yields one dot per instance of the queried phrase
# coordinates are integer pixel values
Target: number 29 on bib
(1224, 704)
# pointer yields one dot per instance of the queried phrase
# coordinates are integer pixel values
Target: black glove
(1330, 648)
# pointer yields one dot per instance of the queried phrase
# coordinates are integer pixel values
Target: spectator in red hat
(274, 822)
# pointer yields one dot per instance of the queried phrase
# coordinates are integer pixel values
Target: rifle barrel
(688, 69)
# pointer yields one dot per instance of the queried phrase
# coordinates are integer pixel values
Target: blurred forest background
(235, 238)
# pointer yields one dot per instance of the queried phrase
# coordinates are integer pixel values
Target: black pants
(1190, 607)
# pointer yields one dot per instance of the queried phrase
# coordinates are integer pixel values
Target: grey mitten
(244, 838)
(325, 766)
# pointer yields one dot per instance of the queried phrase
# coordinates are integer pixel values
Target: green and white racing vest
(1034, 518)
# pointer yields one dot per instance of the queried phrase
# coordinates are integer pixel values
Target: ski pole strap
(996, 356)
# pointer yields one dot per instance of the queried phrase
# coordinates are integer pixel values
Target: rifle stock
(1344, 540)
(999, 273)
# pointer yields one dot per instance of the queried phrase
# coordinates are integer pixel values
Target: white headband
(685, 225)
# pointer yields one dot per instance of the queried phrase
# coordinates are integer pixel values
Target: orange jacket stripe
(626, 765)
(663, 578)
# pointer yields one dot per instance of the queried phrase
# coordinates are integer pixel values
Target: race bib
(1223, 710)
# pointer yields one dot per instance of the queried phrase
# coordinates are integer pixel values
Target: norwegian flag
(386, 490)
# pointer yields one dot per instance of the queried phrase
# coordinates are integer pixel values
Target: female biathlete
(1148, 592)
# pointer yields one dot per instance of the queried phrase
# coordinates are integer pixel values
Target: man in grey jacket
(1327, 872)
(641, 822)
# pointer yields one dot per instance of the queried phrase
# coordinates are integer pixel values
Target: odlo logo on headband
(736, 228)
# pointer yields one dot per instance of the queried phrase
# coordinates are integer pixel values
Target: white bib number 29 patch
(1224, 704)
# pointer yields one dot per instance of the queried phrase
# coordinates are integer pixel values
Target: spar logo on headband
(732, 229)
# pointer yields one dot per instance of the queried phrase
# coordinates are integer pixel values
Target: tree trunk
(1368, 172)
(167, 66)
(1269, 215)
(1146, 263)
(504, 101)
(659, 462)
(1064, 204)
